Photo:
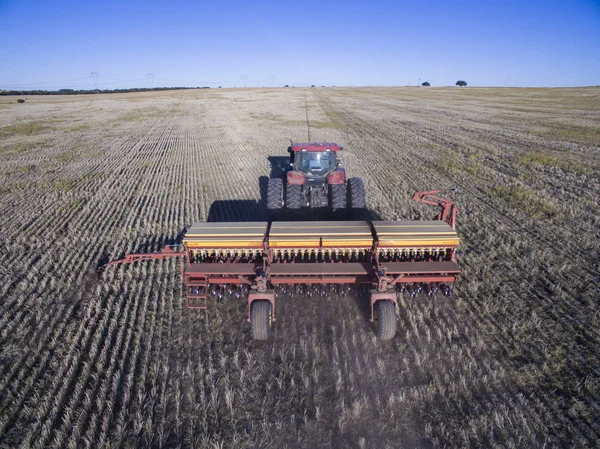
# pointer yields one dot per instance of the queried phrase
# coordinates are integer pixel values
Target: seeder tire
(260, 320)
(293, 197)
(385, 320)
(338, 199)
(274, 198)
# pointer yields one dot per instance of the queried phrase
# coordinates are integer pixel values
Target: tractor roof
(316, 146)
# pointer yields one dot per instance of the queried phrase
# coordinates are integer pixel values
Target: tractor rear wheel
(274, 198)
(356, 197)
(338, 199)
(260, 320)
(293, 197)
(385, 319)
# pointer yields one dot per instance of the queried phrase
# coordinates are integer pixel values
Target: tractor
(315, 180)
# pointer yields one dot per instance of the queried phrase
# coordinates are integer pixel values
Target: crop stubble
(115, 358)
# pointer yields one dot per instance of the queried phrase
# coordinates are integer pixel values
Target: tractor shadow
(279, 165)
(256, 210)
(237, 210)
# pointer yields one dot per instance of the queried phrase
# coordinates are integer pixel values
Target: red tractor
(315, 180)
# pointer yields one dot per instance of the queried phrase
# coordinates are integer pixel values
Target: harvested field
(114, 359)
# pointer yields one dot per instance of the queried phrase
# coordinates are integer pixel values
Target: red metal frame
(315, 146)
(168, 251)
(382, 296)
(268, 295)
(336, 177)
(296, 178)
(448, 210)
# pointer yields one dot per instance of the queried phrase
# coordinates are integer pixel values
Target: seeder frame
(263, 275)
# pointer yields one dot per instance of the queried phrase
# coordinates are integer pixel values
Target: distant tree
(20, 100)
(426, 84)
(312, 85)
(461, 83)
(219, 87)
(287, 85)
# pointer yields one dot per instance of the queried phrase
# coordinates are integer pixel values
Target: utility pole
(245, 80)
(272, 79)
(150, 77)
(94, 76)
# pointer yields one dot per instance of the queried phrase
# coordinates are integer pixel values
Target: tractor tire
(338, 200)
(274, 198)
(385, 319)
(293, 197)
(356, 194)
(260, 320)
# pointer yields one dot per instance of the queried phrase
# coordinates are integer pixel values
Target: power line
(188, 82)
(150, 77)
(122, 81)
(88, 85)
(101, 80)
(94, 76)
(44, 82)
(307, 122)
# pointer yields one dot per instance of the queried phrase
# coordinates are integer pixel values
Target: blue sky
(57, 44)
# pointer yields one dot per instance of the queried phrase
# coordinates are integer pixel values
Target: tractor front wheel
(385, 319)
(261, 319)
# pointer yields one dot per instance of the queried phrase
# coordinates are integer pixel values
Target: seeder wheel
(261, 320)
(385, 320)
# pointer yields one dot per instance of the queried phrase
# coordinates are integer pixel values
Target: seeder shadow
(360, 296)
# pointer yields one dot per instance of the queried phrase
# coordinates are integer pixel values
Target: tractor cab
(314, 159)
